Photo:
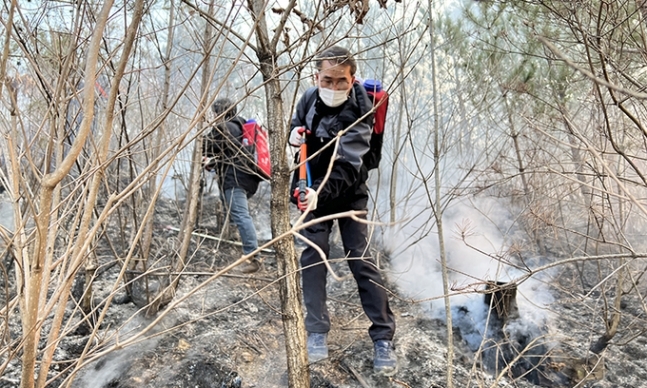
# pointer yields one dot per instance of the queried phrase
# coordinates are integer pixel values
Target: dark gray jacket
(233, 166)
(346, 188)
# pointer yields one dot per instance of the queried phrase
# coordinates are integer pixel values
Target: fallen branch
(210, 237)
(358, 376)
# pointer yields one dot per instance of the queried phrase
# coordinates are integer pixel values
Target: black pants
(369, 281)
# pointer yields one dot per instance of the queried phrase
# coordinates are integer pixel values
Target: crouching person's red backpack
(256, 140)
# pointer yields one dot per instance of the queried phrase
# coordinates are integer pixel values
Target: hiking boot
(250, 266)
(317, 347)
(385, 361)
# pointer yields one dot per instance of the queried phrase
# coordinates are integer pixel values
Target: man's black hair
(338, 56)
(226, 106)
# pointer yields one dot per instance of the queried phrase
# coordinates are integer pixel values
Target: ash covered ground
(229, 332)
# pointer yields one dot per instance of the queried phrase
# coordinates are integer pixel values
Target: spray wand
(303, 168)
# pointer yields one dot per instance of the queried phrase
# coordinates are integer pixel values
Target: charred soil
(228, 333)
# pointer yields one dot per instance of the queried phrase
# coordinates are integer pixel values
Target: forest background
(514, 152)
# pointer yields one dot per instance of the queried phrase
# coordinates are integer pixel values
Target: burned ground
(229, 334)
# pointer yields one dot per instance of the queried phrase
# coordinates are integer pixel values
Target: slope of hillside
(228, 333)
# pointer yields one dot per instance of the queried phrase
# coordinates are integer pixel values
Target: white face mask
(333, 98)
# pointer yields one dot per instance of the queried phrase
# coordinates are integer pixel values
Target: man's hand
(296, 136)
(310, 202)
(208, 164)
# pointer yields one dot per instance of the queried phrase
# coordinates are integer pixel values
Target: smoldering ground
(229, 333)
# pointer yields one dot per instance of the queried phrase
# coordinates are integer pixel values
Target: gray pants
(373, 297)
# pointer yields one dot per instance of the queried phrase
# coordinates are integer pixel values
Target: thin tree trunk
(5, 51)
(20, 250)
(58, 123)
(521, 168)
(84, 228)
(393, 197)
(34, 272)
(286, 258)
(147, 237)
(611, 314)
(191, 208)
(594, 220)
(463, 129)
(438, 209)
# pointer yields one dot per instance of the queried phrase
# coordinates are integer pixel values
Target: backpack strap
(311, 97)
(363, 102)
(371, 159)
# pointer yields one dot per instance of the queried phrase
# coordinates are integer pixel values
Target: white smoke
(109, 369)
(477, 236)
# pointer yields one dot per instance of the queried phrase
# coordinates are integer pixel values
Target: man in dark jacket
(339, 104)
(223, 152)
